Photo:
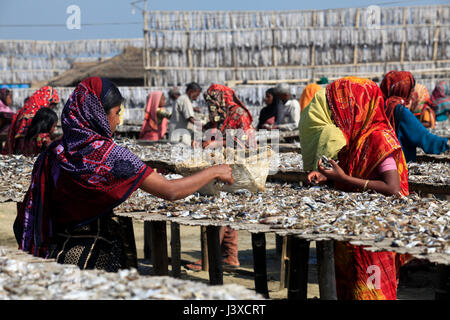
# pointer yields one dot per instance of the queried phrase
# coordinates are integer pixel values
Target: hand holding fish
(334, 173)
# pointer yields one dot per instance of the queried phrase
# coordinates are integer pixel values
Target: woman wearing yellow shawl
(346, 121)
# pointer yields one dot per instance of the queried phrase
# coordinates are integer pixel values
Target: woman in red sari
(45, 97)
(155, 123)
(67, 212)
(372, 158)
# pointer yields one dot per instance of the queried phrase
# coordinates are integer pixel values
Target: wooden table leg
(160, 258)
(284, 268)
(147, 240)
(325, 262)
(176, 249)
(129, 241)
(259, 263)
(214, 255)
(298, 269)
(204, 243)
(279, 244)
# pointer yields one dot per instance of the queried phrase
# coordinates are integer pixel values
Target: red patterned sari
(42, 98)
(357, 108)
(227, 112)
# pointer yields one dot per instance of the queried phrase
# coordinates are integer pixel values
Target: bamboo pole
(274, 49)
(355, 48)
(402, 48)
(146, 52)
(436, 38)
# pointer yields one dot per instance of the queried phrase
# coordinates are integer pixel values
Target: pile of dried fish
(412, 221)
(431, 173)
(25, 277)
(15, 177)
(419, 151)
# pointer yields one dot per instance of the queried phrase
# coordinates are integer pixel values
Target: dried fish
(369, 215)
(23, 276)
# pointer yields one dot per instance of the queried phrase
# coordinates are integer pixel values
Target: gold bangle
(365, 185)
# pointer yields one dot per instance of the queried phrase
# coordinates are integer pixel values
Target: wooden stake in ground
(327, 278)
(214, 255)
(176, 249)
(204, 248)
(298, 269)
(160, 258)
(259, 263)
(147, 240)
(130, 242)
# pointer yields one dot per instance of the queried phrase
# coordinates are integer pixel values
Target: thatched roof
(126, 69)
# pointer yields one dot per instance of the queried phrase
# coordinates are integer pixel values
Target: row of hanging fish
(411, 221)
(210, 20)
(24, 277)
(295, 37)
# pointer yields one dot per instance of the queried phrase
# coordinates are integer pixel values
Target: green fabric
(318, 133)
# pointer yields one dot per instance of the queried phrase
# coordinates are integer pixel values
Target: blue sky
(24, 19)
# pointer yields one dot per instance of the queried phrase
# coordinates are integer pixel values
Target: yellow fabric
(318, 133)
(307, 94)
(426, 116)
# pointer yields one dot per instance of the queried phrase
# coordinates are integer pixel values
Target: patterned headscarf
(221, 102)
(396, 88)
(228, 112)
(42, 98)
(94, 168)
(357, 108)
(420, 104)
(440, 98)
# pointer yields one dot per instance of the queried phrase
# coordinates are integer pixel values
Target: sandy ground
(417, 283)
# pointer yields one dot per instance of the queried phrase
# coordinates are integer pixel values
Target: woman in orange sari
(370, 158)
(155, 123)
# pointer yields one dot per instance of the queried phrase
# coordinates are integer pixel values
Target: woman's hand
(335, 174)
(315, 177)
(223, 173)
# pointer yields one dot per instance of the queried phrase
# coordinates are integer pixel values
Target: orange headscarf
(307, 94)
(357, 108)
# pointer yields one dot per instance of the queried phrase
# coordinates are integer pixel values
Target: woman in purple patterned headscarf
(79, 180)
